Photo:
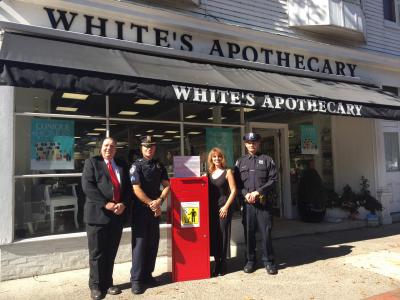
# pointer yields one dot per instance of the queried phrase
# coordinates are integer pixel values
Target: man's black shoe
(152, 282)
(216, 270)
(249, 267)
(222, 270)
(271, 269)
(137, 288)
(113, 290)
(96, 294)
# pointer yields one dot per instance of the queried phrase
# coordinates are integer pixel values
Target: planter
(362, 214)
(336, 213)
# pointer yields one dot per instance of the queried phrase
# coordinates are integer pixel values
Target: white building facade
(191, 73)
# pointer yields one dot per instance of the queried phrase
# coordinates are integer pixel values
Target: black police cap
(251, 137)
(147, 140)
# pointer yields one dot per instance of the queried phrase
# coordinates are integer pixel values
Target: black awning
(27, 61)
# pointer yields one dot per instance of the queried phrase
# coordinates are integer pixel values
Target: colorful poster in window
(309, 139)
(223, 139)
(52, 144)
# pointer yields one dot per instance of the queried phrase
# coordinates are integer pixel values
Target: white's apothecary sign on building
(132, 31)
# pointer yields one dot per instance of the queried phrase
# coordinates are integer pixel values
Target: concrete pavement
(353, 264)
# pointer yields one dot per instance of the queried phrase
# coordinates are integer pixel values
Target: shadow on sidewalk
(301, 250)
(164, 279)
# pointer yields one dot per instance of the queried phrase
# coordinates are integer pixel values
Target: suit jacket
(97, 186)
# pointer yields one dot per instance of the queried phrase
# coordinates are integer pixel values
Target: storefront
(71, 79)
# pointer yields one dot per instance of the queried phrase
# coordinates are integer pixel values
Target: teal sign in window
(52, 144)
(309, 139)
(223, 139)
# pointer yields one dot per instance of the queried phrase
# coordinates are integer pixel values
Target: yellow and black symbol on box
(190, 216)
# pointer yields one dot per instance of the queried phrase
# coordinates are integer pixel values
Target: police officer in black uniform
(256, 176)
(147, 175)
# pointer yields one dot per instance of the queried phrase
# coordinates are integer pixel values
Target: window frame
(396, 134)
(392, 7)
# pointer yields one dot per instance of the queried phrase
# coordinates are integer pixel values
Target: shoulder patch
(132, 173)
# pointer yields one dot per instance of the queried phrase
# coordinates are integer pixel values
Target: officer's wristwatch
(162, 200)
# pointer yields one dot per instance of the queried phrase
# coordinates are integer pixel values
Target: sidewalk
(354, 264)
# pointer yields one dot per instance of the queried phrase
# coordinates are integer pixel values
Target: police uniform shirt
(148, 174)
(256, 173)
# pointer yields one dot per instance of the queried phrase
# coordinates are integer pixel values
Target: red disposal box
(190, 229)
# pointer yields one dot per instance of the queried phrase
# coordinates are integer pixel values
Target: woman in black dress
(222, 192)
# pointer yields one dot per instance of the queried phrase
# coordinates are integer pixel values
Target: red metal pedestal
(190, 229)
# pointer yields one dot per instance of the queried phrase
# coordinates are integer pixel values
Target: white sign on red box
(186, 166)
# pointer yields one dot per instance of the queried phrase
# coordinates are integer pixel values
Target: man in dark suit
(106, 184)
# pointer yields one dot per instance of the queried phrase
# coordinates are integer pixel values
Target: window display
(55, 132)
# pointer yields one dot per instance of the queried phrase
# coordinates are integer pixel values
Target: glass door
(274, 142)
(392, 164)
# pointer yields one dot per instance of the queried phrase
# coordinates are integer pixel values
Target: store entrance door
(275, 143)
(392, 163)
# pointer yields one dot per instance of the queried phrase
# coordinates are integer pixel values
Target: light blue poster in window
(309, 139)
(52, 144)
(223, 139)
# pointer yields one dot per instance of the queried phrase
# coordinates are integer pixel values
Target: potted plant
(357, 204)
(350, 201)
(369, 202)
(333, 199)
(334, 210)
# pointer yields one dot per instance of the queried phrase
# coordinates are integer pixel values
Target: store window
(310, 143)
(48, 205)
(50, 148)
(392, 152)
(131, 107)
(203, 113)
(45, 145)
(310, 146)
(166, 136)
(199, 140)
(51, 145)
(45, 101)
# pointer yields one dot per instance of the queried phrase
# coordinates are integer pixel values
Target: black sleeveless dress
(219, 228)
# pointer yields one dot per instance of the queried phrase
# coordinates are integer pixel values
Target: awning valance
(28, 61)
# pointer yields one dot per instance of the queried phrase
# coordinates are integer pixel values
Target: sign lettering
(265, 101)
(131, 31)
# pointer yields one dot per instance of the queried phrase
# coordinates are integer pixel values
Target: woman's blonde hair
(218, 152)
